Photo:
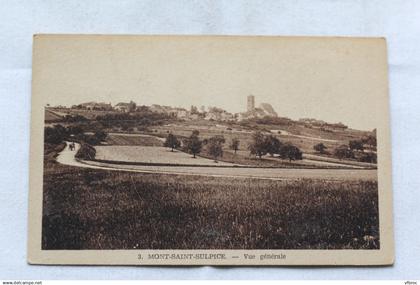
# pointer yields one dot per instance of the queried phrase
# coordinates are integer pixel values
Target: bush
(215, 146)
(86, 152)
(55, 135)
(368, 157)
(272, 145)
(58, 134)
(343, 152)
(172, 142)
(267, 120)
(75, 130)
(234, 145)
(92, 140)
(74, 119)
(194, 144)
(356, 145)
(290, 152)
(320, 148)
(258, 147)
(100, 135)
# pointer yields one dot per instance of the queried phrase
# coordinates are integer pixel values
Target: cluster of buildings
(218, 114)
(212, 113)
(263, 110)
(101, 106)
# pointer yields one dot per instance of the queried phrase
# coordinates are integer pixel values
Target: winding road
(67, 157)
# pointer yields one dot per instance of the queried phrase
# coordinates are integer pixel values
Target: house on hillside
(211, 116)
(335, 127)
(218, 114)
(226, 116)
(125, 107)
(194, 117)
(255, 113)
(164, 110)
(95, 106)
(181, 113)
(158, 109)
(143, 109)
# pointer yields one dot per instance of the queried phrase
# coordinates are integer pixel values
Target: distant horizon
(207, 107)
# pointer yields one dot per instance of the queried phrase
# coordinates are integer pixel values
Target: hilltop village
(211, 113)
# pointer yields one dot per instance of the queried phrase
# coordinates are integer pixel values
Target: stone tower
(250, 103)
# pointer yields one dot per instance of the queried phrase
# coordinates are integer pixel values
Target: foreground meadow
(99, 209)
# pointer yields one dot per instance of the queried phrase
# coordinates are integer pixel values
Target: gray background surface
(398, 21)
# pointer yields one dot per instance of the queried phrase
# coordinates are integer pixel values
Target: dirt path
(67, 157)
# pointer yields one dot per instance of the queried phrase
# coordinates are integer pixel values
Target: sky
(335, 79)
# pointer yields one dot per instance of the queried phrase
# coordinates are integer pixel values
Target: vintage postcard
(210, 150)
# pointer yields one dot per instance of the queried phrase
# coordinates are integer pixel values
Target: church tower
(250, 103)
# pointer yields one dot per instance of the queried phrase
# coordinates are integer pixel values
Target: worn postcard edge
(383, 256)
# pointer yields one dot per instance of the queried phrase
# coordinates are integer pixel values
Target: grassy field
(309, 138)
(301, 136)
(147, 154)
(132, 154)
(98, 209)
(305, 143)
(51, 116)
(124, 147)
(124, 139)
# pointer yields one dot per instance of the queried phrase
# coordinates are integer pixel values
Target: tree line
(58, 134)
(355, 149)
(260, 145)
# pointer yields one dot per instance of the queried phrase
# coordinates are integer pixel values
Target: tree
(100, 135)
(218, 139)
(90, 139)
(143, 109)
(55, 135)
(234, 145)
(370, 140)
(215, 146)
(291, 152)
(194, 110)
(75, 130)
(172, 142)
(356, 145)
(272, 144)
(343, 151)
(74, 119)
(368, 157)
(320, 148)
(194, 144)
(258, 145)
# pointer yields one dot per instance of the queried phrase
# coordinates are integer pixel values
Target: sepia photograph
(210, 150)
